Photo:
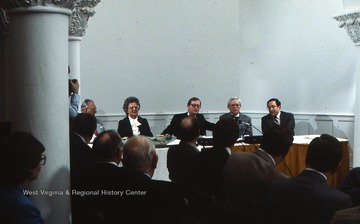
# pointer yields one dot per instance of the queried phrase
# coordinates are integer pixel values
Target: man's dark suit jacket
(180, 161)
(304, 199)
(149, 201)
(174, 126)
(125, 130)
(208, 171)
(286, 120)
(103, 177)
(81, 160)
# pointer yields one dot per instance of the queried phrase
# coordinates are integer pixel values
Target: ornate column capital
(81, 10)
(351, 23)
(81, 13)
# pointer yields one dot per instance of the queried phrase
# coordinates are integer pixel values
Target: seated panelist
(193, 106)
(277, 117)
(244, 122)
(133, 124)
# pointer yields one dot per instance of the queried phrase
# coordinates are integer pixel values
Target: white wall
(166, 51)
(163, 52)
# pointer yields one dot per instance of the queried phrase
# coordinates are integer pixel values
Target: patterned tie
(276, 120)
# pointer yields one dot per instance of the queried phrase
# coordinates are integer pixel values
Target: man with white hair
(144, 197)
(234, 106)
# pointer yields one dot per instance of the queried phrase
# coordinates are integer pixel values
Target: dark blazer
(81, 160)
(174, 126)
(124, 127)
(245, 129)
(180, 161)
(148, 201)
(103, 177)
(351, 185)
(286, 120)
(304, 199)
(208, 171)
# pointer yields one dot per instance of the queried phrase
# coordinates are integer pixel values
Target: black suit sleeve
(291, 123)
(144, 127)
(174, 125)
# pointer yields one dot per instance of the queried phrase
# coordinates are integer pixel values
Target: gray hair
(137, 153)
(85, 104)
(234, 98)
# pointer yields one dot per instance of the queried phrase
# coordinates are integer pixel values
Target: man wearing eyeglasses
(193, 105)
(276, 117)
(234, 106)
(88, 106)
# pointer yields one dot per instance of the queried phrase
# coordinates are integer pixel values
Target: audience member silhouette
(208, 171)
(306, 198)
(181, 158)
(351, 185)
(105, 176)
(82, 157)
(20, 163)
(247, 176)
(147, 200)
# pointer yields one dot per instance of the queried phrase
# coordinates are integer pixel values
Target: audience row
(112, 182)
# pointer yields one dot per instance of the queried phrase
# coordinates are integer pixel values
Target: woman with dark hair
(133, 124)
(20, 163)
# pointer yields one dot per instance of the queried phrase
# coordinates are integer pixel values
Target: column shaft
(38, 57)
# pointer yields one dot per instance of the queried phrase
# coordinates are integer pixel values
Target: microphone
(251, 126)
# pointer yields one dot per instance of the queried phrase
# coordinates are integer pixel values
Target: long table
(294, 162)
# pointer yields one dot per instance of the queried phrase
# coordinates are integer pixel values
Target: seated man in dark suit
(104, 176)
(147, 200)
(193, 105)
(181, 158)
(208, 171)
(234, 106)
(277, 117)
(306, 198)
(82, 157)
(247, 176)
(351, 185)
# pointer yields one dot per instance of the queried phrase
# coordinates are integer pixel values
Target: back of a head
(106, 145)
(84, 124)
(226, 132)
(20, 154)
(189, 129)
(137, 153)
(324, 153)
(277, 140)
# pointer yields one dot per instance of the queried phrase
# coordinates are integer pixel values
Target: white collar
(80, 137)
(311, 169)
(109, 162)
(228, 150)
(278, 116)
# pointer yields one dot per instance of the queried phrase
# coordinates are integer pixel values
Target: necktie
(276, 120)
